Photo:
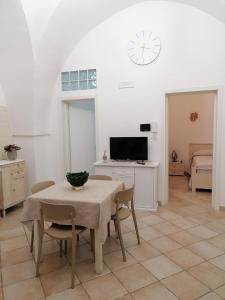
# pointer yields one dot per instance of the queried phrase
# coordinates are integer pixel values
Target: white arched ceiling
(54, 29)
(37, 15)
(16, 61)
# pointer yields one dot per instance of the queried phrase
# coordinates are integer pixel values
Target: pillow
(203, 152)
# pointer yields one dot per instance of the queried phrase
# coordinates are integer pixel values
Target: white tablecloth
(94, 203)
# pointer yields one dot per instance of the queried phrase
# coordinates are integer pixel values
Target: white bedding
(202, 162)
(201, 167)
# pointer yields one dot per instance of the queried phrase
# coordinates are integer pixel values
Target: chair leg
(73, 263)
(78, 237)
(116, 228)
(135, 225)
(108, 227)
(117, 224)
(92, 235)
(39, 255)
(65, 247)
(60, 248)
(32, 239)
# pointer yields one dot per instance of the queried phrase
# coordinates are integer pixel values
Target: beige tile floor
(181, 256)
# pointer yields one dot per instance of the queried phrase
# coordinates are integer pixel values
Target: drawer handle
(125, 176)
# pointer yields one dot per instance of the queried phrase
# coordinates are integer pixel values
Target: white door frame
(67, 146)
(217, 131)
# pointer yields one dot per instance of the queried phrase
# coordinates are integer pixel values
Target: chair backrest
(57, 212)
(124, 197)
(39, 186)
(100, 177)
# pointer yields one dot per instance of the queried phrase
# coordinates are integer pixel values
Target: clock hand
(143, 48)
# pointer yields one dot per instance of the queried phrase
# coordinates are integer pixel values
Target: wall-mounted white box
(126, 84)
(154, 127)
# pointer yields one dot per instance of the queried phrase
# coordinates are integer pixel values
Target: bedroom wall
(182, 64)
(182, 131)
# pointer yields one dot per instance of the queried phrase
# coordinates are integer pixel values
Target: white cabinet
(12, 183)
(144, 178)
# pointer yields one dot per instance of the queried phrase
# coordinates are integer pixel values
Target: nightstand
(176, 168)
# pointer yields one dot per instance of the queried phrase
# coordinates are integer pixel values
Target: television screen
(129, 148)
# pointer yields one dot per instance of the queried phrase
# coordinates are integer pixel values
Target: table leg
(98, 253)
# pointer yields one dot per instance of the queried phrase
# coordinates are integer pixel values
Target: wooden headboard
(193, 147)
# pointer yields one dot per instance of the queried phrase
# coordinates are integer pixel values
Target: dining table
(93, 203)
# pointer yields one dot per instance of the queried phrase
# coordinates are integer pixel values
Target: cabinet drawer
(103, 171)
(17, 167)
(16, 174)
(176, 172)
(178, 166)
(123, 171)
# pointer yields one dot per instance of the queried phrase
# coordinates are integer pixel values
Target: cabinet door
(128, 179)
(145, 188)
(18, 187)
(6, 195)
(124, 174)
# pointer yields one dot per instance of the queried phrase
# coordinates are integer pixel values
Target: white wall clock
(144, 48)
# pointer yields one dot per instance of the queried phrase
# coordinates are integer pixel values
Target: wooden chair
(37, 187)
(58, 213)
(102, 177)
(124, 208)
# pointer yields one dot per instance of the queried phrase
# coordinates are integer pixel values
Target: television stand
(142, 176)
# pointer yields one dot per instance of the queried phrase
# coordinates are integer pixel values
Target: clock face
(144, 48)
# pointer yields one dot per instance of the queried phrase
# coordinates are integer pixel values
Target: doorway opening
(190, 145)
(193, 117)
(80, 120)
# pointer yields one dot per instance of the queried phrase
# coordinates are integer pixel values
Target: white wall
(182, 131)
(5, 130)
(2, 97)
(187, 49)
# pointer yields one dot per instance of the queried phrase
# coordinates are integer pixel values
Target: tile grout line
(2, 290)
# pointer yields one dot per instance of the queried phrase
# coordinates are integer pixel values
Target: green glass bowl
(77, 179)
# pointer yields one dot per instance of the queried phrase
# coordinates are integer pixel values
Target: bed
(201, 161)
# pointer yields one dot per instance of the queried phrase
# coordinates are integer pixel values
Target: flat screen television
(129, 148)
